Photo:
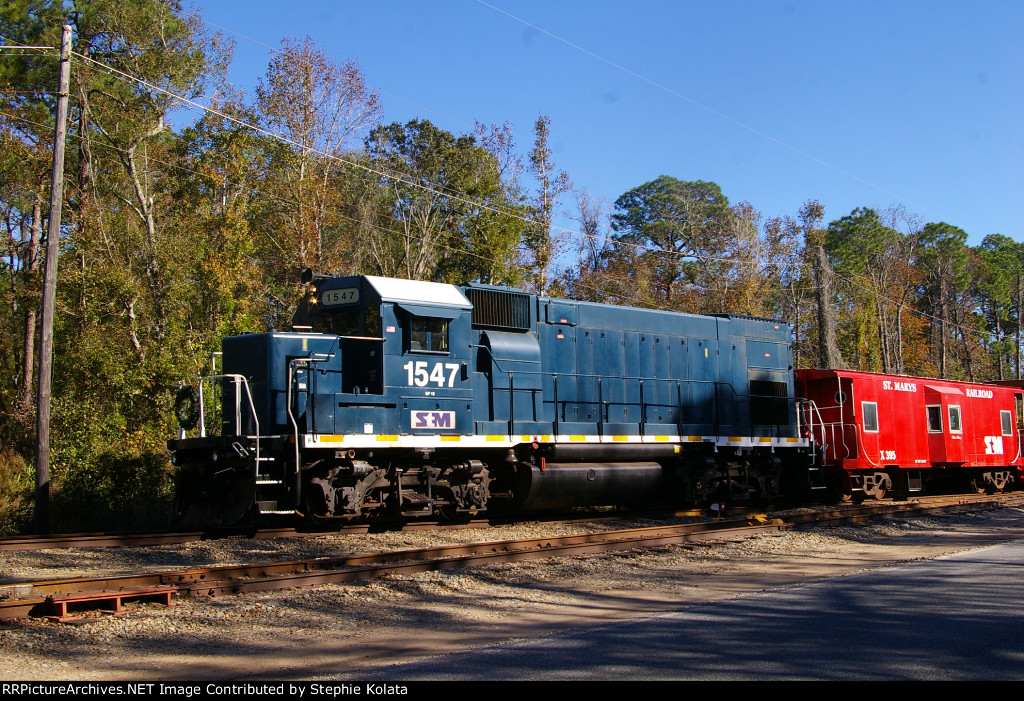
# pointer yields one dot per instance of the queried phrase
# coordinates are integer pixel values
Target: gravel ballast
(332, 631)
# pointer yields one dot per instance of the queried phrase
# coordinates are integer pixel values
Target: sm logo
(432, 419)
(993, 445)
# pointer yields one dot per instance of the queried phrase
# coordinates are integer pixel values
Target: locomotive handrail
(811, 407)
(230, 376)
(812, 411)
(601, 404)
(311, 359)
(238, 417)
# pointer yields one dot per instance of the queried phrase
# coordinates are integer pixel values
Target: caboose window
(1006, 417)
(934, 419)
(954, 419)
(428, 334)
(870, 412)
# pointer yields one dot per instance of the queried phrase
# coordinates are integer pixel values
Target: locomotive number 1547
(420, 376)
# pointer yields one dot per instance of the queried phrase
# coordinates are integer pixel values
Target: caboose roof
(418, 292)
(943, 389)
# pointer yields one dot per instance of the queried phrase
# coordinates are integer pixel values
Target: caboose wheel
(977, 484)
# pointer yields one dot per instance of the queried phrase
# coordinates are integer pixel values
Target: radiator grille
(769, 403)
(494, 309)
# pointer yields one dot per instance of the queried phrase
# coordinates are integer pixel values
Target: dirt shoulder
(336, 630)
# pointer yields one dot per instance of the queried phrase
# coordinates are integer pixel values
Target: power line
(699, 105)
(405, 178)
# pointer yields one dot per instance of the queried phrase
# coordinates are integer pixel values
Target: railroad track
(115, 540)
(145, 538)
(129, 539)
(61, 598)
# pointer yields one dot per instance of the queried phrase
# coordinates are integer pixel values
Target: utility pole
(42, 510)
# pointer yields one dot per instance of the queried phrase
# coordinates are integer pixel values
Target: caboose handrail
(811, 408)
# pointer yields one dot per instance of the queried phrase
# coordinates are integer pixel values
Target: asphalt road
(955, 618)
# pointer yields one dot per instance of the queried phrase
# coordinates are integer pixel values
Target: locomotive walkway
(954, 618)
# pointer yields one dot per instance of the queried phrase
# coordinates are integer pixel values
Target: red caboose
(878, 433)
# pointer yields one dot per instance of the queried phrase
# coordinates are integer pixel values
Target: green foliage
(119, 492)
(875, 261)
(443, 212)
(538, 239)
(16, 487)
(681, 227)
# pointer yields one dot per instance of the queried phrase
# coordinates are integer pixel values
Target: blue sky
(854, 104)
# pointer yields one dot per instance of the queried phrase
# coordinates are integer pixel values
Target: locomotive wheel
(451, 514)
(880, 491)
(841, 495)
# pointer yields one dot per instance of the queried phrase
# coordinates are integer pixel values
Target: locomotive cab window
(371, 322)
(1006, 418)
(870, 412)
(338, 322)
(348, 321)
(934, 419)
(427, 334)
(954, 419)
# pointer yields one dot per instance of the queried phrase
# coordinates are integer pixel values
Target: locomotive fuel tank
(564, 485)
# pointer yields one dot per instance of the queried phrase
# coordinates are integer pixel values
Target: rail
(27, 598)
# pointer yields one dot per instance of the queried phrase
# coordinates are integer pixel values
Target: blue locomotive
(407, 398)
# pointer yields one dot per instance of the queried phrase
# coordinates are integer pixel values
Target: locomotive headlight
(214, 456)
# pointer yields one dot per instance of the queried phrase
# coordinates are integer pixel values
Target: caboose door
(944, 407)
